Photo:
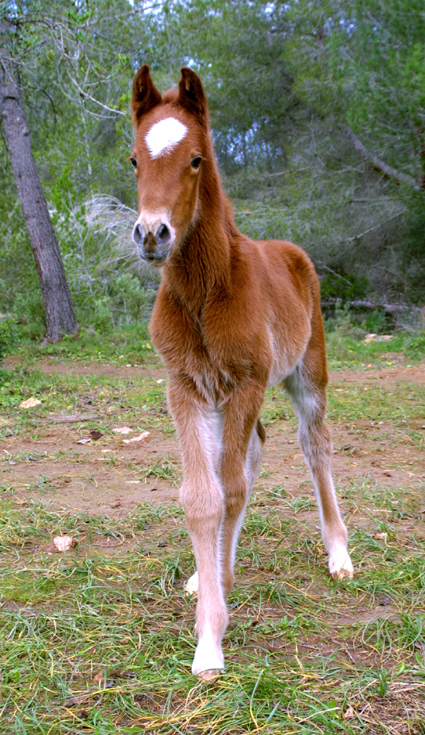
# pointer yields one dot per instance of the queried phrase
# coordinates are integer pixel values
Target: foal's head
(168, 156)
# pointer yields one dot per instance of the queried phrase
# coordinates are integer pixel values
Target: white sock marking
(340, 563)
(164, 136)
(208, 654)
(192, 584)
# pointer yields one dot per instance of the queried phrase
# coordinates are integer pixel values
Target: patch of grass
(110, 637)
(348, 352)
(166, 469)
(100, 639)
(121, 344)
(138, 398)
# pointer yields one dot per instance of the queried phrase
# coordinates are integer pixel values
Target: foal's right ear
(145, 94)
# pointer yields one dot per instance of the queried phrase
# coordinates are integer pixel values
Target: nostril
(137, 234)
(163, 234)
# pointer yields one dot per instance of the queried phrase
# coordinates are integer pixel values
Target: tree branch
(388, 308)
(375, 227)
(384, 168)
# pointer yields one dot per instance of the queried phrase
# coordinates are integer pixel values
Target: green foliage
(415, 345)
(283, 81)
(377, 322)
(133, 300)
(28, 307)
(103, 314)
(345, 287)
(7, 335)
(343, 322)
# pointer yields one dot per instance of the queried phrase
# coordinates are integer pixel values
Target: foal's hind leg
(315, 441)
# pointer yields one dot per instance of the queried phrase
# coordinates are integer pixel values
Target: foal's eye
(196, 162)
(133, 161)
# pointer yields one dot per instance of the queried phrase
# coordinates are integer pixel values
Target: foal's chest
(192, 351)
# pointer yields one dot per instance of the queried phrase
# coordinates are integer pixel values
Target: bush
(132, 298)
(378, 322)
(415, 345)
(28, 307)
(7, 335)
(103, 320)
(343, 322)
(338, 285)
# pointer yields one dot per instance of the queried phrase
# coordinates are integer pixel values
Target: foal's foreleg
(243, 437)
(202, 497)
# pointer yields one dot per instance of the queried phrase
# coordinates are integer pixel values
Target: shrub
(7, 335)
(132, 298)
(103, 320)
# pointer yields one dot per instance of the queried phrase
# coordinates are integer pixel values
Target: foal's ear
(145, 94)
(192, 95)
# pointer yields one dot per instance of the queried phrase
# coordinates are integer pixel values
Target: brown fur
(231, 316)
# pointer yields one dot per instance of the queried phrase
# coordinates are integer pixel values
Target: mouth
(155, 259)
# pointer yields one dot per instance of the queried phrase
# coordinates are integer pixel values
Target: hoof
(209, 675)
(208, 661)
(191, 586)
(343, 574)
(340, 565)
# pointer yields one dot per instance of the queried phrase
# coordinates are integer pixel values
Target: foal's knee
(203, 508)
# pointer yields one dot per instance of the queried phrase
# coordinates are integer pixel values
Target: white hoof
(209, 675)
(340, 564)
(191, 586)
(209, 659)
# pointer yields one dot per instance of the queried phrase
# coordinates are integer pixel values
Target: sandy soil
(109, 476)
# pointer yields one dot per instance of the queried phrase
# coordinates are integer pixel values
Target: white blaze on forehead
(164, 136)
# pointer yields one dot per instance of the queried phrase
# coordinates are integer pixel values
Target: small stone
(29, 403)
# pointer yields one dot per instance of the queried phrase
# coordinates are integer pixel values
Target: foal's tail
(261, 431)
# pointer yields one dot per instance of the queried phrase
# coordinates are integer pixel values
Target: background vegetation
(318, 119)
(318, 113)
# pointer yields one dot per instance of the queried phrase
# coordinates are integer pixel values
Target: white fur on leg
(340, 564)
(192, 584)
(209, 659)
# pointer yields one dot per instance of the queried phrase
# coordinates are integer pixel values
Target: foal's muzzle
(153, 241)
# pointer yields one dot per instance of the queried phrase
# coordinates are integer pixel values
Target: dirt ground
(285, 607)
(107, 476)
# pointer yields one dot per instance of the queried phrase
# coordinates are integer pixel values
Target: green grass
(100, 640)
(118, 345)
(103, 644)
(121, 345)
(345, 352)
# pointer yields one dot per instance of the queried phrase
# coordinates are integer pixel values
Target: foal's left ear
(192, 95)
(145, 94)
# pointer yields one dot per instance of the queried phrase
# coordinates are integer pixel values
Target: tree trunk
(60, 318)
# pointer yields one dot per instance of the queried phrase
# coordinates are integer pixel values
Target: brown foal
(231, 318)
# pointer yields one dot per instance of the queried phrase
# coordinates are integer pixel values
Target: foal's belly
(286, 354)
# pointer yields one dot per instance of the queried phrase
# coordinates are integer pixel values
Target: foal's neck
(202, 266)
